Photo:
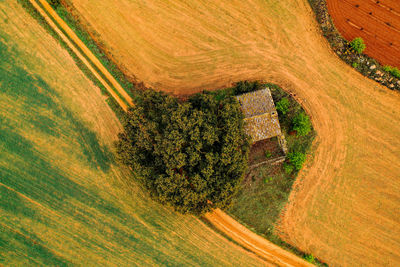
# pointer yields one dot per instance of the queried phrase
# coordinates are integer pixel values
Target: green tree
(392, 70)
(358, 45)
(310, 258)
(296, 159)
(301, 124)
(246, 86)
(283, 106)
(191, 155)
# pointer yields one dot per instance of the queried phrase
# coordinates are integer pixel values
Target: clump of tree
(392, 70)
(243, 87)
(282, 106)
(301, 124)
(358, 45)
(191, 155)
(296, 159)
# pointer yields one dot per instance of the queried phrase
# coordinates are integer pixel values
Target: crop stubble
(62, 198)
(344, 204)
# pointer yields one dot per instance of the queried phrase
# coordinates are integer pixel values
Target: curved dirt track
(266, 250)
(255, 243)
(345, 204)
(377, 22)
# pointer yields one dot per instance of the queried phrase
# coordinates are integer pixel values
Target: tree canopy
(301, 124)
(190, 154)
(358, 45)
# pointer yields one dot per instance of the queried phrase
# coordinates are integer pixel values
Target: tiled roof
(260, 114)
(256, 103)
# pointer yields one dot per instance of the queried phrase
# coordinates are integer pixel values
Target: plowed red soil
(377, 22)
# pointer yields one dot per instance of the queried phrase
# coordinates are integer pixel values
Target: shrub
(296, 159)
(354, 65)
(246, 86)
(358, 45)
(54, 3)
(310, 258)
(268, 179)
(301, 124)
(283, 106)
(190, 155)
(288, 168)
(392, 70)
(268, 154)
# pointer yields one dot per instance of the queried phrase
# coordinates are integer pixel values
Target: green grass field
(63, 198)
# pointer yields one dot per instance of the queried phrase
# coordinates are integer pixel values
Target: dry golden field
(62, 197)
(345, 204)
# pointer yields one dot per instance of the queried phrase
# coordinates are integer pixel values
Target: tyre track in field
(263, 248)
(86, 56)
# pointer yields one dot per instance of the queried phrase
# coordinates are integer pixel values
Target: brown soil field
(345, 203)
(377, 22)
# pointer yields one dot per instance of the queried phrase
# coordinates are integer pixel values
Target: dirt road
(255, 243)
(258, 245)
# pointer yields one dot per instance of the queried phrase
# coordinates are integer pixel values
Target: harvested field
(62, 196)
(377, 22)
(345, 204)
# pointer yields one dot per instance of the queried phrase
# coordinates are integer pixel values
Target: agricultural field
(63, 198)
(345, 202)
(377, 22)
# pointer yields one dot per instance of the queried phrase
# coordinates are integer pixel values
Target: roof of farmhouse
(260, 114)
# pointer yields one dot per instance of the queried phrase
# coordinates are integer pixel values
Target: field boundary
(218, 218)
(367, 66)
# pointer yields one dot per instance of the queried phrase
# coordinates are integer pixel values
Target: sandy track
(85, 50)
(377, 22)
(258, 245)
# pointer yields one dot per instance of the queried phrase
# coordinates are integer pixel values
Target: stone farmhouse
(261, 117)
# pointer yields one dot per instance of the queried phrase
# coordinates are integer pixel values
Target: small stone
(372, 67)
(378, 73)
(391, 85)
